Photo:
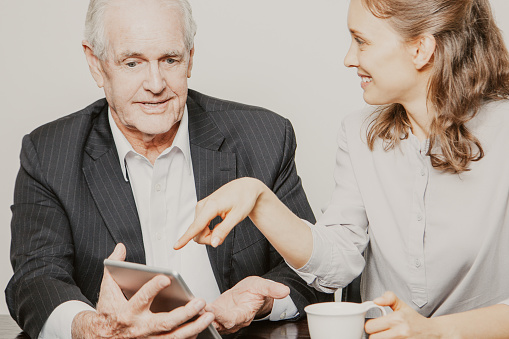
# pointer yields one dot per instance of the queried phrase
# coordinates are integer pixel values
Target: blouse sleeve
(340, 235)
(505, 302)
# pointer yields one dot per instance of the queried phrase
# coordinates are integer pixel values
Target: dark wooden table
(260, 329)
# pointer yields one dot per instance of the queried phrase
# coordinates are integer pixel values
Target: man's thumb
(277, 290)
(118, 253)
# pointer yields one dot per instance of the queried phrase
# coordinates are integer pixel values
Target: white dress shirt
(440, 241)
(165, 196)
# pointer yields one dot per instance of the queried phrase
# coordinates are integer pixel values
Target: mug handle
(369, 305)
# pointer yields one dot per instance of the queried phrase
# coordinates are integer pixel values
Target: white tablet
(130, 277)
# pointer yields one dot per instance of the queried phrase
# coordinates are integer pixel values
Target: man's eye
(170, 61)
(131, 64)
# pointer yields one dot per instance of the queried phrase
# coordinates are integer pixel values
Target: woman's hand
(233, 202)
(404, 322)
(244, 197)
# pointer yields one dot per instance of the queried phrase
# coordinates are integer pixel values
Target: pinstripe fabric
(72, 205)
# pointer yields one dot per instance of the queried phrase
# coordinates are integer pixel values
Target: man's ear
(93, 64)
(190, 66)
(423, 50)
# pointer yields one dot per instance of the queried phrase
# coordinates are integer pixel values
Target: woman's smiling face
(383, 60)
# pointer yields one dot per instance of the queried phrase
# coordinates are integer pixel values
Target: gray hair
(94, 25)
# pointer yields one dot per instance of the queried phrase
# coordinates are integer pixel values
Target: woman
(422, 181)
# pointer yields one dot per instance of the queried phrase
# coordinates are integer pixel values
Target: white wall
(285, 55)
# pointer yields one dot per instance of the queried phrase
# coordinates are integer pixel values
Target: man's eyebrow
(134, 54)
(172, 54)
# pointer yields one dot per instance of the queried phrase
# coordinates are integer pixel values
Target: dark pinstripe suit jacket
(72, 204)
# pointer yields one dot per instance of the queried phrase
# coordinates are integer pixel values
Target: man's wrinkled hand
(251, 297)
(117, 317)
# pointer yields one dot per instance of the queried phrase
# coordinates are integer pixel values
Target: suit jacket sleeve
(42, 252)
(288, 188)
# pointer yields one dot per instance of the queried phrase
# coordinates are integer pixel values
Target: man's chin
(168, 129)
(154, 131)
(157, 126)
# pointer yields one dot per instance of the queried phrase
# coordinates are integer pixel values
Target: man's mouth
(152, 106)
(154, 103)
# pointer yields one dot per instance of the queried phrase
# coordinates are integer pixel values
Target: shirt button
(158, 187)
(282, 316)
(423, 172)
(417, 263)
(419, 217)
(158, 236)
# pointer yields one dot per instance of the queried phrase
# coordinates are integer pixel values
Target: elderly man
(124, 175)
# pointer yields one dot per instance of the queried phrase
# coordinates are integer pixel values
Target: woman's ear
(423, 50)
(93, 64)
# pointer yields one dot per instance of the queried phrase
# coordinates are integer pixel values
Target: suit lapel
(112, 194)
(212, 169)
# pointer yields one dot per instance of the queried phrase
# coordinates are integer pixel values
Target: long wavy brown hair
(470, 65)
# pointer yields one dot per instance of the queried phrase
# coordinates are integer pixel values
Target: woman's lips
(365, 80)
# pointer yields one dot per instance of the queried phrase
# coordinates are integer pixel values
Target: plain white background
(285, 55)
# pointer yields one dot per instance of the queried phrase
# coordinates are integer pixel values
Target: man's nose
(154, 81)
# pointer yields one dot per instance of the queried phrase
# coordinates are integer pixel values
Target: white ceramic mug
(343, 320)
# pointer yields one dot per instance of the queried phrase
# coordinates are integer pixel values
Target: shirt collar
(123, 146)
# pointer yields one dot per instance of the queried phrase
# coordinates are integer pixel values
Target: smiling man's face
(145, 72)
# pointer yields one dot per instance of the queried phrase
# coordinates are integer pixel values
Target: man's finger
(110, 293)
(142, 300)
(170, 321)
(110, 290)
(192, 328)
(277, 290)
(118, 253)
(270, 288)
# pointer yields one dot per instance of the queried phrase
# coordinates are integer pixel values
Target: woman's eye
(359, 41)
